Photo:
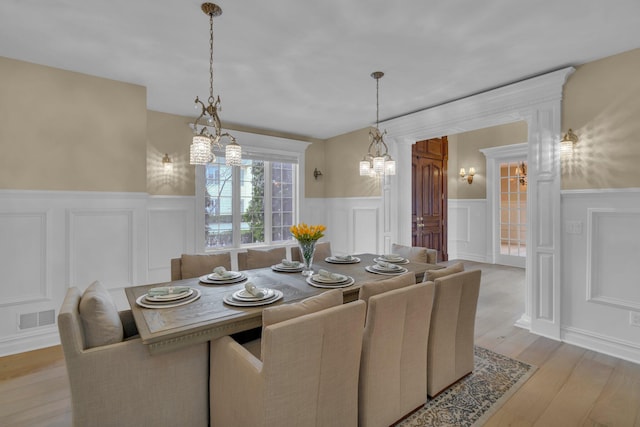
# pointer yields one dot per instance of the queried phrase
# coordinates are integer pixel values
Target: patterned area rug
(471, 401)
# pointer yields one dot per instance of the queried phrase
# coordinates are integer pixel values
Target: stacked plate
(225, 279)
(243, 298)
(393, 258)
(345, 259)
(331, 280)
(385, 268)
(291, 267)
(169, 299)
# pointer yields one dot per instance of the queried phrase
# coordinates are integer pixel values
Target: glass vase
(307, 249)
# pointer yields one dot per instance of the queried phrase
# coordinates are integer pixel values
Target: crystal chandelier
(204, 141)
(377, 161)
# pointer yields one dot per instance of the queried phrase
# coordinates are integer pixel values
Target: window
(250, 205)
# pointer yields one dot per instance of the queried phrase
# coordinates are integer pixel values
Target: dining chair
(323, 250)
(188, 266)
(416, 253)
(255, 258)
(306, 375)
(451, 333)
(393, 367)
(114, 379)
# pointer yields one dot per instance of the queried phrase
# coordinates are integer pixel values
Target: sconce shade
(568, 142)
(365, 166)
(378, 165)
(167, 163)
(233, 154)
(390, 167)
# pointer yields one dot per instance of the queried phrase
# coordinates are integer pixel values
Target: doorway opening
(512, 213)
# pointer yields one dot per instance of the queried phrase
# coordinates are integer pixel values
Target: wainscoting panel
(23, 257)
(613, 255)
(101, 246)
(355, 225)
(365, 230)
(338, 230)
(600, 270)
(467, 230)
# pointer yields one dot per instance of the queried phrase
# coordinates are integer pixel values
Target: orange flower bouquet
(307, 236)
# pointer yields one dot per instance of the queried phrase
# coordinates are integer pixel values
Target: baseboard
(21, 344)
(467, 256)
(524, 322)
(602, 344)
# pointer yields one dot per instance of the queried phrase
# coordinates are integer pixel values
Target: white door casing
(538, 102)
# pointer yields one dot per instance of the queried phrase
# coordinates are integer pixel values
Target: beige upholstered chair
(307, 374)
(416, 253)
(254, 258)
(393, 368)
(121, 384)
(323, 250)
(450, 349)
(188, 266)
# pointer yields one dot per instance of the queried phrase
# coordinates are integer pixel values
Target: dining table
(208, 317)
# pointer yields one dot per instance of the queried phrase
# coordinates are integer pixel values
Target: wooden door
(429, 201)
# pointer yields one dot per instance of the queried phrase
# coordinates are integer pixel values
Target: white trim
(621, 349)
(599, 191)
(538, 102)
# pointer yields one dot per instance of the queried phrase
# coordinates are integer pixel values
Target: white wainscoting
(52, 240)
(600, 270)
(467, 230)
(354, 224)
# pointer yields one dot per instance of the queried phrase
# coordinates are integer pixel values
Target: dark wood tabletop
(208, 317)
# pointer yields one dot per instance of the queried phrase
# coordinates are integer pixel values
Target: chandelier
(205, 141)
(377, 161)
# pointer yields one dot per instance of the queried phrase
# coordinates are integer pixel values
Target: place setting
(286, 266)
(392, 258)
(252, 296)
(168, 296)
(385, 268)
(327, 279)
(222, 276)
(342, 259)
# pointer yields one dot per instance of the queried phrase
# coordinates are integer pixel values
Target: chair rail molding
(538, 102)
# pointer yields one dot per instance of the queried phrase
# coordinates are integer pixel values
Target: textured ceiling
(303, 67)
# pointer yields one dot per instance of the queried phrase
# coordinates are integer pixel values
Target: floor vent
(39, 318)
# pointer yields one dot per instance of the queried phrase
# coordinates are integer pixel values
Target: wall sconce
(167, 163)
(521, 173)
(469, 176)
(316, 173)
(568, 142)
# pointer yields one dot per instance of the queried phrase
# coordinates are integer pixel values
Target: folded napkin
(329, 275)
(392, 256)
(387, 265)
(167, 290)
(343, 257)
(253, 290)
(222, 273)
(288, 263)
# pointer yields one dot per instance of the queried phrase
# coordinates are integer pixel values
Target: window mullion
(236, 207)
(267, 203)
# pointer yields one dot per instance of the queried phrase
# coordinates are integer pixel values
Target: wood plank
(20, 364)
(619, 402)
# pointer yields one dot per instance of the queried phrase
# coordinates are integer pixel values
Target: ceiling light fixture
(377, 161)
(204, 141)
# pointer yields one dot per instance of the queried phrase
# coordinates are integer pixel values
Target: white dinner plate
(142, 301)
(333, 260)
(205, 279)
(243, 295)
(169, 297)
(386, 273)
(284, 269)
(401, 261)
(350, 281)
(228, 299)
(339, 278)
(230, 276)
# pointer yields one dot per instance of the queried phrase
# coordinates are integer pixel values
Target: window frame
(264, 147)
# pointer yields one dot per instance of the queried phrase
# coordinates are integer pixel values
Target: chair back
(70, 325)
(254, 258)
(450, 348)
(416, 253)
(393, 368)
(310, 368)
(189, 266)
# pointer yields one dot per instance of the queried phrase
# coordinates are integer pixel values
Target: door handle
(419, 225)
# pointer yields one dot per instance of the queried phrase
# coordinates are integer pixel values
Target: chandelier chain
(211, 99)
(377, 103)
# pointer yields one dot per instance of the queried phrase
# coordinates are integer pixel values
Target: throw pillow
(328, 299)
(367, 290)
(100, 318)
(432, 275)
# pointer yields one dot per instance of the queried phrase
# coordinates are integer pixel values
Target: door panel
(428, 216)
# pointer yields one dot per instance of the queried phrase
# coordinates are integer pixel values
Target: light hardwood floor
(571, 387)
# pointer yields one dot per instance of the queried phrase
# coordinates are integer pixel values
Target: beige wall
(464, 152)
(342, 176)
(170, 134)
(602, 105)
(69, 131)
